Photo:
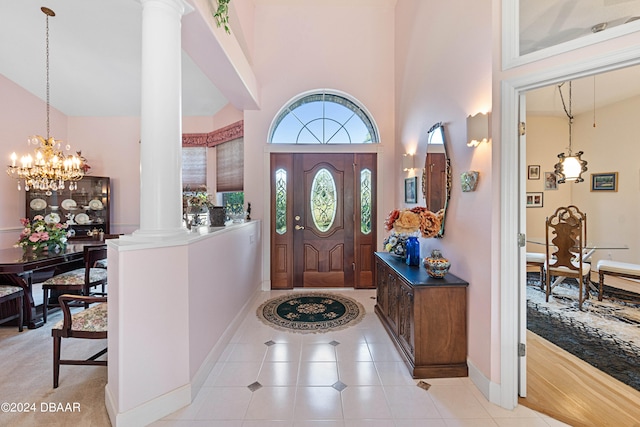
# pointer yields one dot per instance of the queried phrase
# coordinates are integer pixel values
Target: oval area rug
(311, 312)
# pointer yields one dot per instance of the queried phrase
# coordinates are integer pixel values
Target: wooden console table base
(425, 317)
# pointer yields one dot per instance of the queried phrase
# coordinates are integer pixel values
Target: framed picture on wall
(607, 181)
(410, 194)
(533, 172)
(550, 181)
(534, 200)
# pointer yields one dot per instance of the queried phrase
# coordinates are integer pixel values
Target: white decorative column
(161, 120)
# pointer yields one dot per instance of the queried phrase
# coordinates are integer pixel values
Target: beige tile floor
(348, 378)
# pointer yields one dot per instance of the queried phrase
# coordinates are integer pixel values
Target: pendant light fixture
(571, 166)
(49, 168)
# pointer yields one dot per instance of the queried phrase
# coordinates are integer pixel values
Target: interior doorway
(323, 231)
(512, 262)
(599, 105)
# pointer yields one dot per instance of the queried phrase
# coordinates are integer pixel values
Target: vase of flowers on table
(38, 235)
(197, 210)
(408, 224)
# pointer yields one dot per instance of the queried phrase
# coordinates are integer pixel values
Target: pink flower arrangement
(40, 234)
(408, 221)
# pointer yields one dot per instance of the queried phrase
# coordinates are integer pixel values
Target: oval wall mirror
(436, 175)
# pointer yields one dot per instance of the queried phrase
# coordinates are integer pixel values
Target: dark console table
(425, 317)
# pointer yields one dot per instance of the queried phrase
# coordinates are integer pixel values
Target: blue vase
(413, 251)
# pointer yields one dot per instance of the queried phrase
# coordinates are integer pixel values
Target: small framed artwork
(607, 181)
(550, 182)
(533, 172)
(410, 195)
(534, 200)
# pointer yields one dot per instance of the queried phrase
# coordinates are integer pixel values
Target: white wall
(168, 326)
(443, 73)
(21, 115)
(609, 147)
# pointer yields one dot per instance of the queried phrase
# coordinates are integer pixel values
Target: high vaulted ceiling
(95, 50)
(95, 57)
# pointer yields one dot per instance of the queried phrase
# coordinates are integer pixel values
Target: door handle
(299, 227)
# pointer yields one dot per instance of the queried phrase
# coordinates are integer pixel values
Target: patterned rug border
(317, 327)
(605, 334)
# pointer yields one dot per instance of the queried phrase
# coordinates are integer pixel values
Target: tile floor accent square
(255, 386)
(339, 385)
(315, 380)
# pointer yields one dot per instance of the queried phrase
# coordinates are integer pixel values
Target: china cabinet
(84, 209)
(425, 317)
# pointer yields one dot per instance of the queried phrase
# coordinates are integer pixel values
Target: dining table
(19, 267)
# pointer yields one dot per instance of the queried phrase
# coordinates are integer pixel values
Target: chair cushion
(6, 290)
(76, 277)
(619, 267)
(93, 319)
(102, 263)
(564, 271)
(536, 257)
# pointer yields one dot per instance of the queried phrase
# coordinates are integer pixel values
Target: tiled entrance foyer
(348, 378)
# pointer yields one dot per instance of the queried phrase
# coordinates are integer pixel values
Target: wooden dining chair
(13, 296)
(537, 260)
(565, 250)
(80, 280)
(87, 324)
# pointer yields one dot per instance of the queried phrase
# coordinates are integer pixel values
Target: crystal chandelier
(571, 166)
(49, 168)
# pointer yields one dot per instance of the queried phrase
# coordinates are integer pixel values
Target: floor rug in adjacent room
(605, 334)
(311, 312)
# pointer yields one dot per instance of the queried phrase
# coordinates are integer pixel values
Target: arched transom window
(323, 118)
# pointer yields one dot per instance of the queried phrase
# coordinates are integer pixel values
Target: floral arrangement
(396, 244)
(418, 219)
(199, 199)
(40, 234)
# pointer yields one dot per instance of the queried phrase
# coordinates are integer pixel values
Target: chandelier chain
(567, 112)
(49, 169)
(47, 70)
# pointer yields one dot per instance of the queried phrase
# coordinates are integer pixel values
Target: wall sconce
(478, 129)
(407, 162)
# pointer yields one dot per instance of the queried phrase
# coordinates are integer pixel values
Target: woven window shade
(194, 167)
(230, 166)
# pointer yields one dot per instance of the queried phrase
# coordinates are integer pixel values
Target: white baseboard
(490, 390)
(149, 411)
(168, 403)
(212, 358)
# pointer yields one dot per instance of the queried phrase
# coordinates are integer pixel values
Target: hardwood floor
(570, 390)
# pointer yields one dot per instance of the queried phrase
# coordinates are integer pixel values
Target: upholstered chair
(90, 323)
(14, 296)
(80, 280)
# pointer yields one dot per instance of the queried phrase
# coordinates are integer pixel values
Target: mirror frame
(437, 130)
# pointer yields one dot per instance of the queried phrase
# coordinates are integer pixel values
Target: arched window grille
(323, 118)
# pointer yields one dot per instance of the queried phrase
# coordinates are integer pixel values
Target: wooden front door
(322, 228)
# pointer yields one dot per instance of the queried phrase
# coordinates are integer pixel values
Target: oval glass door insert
(323, 200)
